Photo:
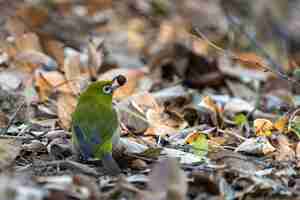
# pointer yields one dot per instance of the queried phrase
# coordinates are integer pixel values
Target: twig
(22, 138)
(232, 133)
(264, 53)
(70, 164)
(13, 117)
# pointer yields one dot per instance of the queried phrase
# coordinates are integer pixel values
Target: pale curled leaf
(297, 151)
(130, 147)
(95, 58)
(72, 72)
(55, 49)
(285, 152)
(9, 150)
(65, 107)
(28, 42)
(36, 57)
(53, 80)
(236, 105)
(256, 146)
(184, 157)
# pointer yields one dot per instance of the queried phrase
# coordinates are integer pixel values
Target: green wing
(93, 127)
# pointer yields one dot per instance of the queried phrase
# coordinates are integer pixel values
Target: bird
(95, 123)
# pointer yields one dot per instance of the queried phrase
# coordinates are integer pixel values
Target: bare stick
(232, 133)
(264, 53)
(70, 165)
(12, 119)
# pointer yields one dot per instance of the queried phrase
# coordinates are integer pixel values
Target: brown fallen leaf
(27, 42)
(297, 151)
(66, 104)
(46, 82)
(95, 58)
(256, 146)
(9, 150)
(138, 164)
(250, 60)
(285, 152)
(36, 58)
(54, 49)
(72, 73)
(214, 110)
(3, 120)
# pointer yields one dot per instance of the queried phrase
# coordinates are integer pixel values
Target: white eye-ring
(107, 89)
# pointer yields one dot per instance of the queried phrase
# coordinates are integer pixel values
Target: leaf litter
(210, 109)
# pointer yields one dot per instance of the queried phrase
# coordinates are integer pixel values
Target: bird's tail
(110, 165)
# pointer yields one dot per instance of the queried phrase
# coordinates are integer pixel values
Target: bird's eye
(107, 89)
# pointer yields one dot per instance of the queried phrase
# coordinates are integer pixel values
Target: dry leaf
(136, 40)
(237, 105)
(157, 119)
(144, 102)
(34, 16)
(132, 115)
(160, 130)
(47, 81)
(72, 72)
(28, 41)
(9, 150)
(298, 154)
(281, 124)
(285, 152)
(183, 157)
(200, 47)
(44, 88)
(167, 33)
(34, 146)
(263, 127)
(15, 27)
(54, 49)
(209, 104)
(250, 60)
(138, 164)
(37, 59)
(95, 58)
(3, 120)
(256, 146)
(66, 104)
(12, 79)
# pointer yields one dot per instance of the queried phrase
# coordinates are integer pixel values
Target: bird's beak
(117, 82)
(115, 85)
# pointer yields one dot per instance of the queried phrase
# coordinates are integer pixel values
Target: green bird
(95, 124)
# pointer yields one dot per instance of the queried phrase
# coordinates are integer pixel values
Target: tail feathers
(110, 165)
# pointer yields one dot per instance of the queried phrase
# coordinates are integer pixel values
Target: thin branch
(69, 164)
(264, 53)
(12, 119)
(232, 134)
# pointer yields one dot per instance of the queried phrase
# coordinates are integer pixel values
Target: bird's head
(104, 89)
